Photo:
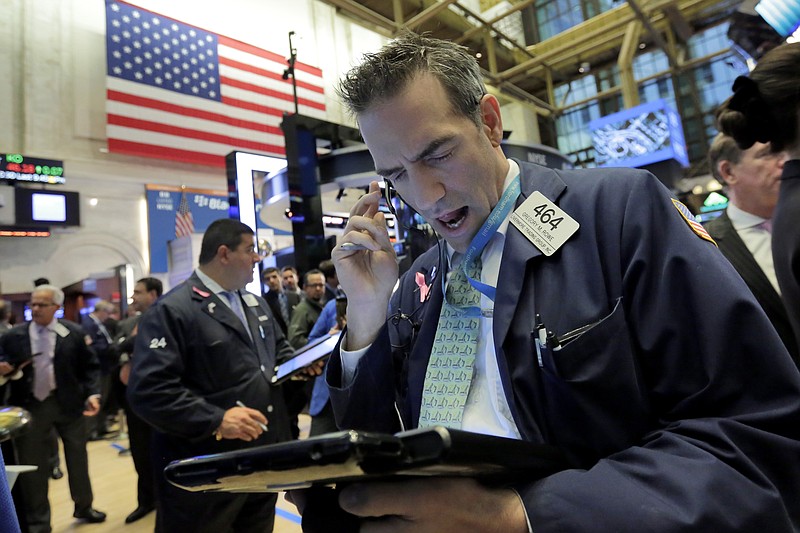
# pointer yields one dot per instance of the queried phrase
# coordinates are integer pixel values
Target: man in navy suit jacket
(663, 381)
(204, 356)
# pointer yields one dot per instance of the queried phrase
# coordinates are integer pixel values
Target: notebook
(352, 455)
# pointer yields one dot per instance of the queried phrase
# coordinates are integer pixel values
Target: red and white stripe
(151, 122)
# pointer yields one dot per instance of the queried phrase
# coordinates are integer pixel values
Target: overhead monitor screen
(639, 136)
(45, 207)
(49, 207)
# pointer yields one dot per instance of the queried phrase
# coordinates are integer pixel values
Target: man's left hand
(313, 370)
(92, 406)
(434, 505)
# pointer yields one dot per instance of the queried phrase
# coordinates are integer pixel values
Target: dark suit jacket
(786, 241)
(679, 405)
(194, 360)
(75, 365)
(732, 247)
(292, 299)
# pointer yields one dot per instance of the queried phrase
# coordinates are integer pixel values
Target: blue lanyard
(487, 231)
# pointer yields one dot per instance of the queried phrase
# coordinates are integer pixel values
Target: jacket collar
(213, 306)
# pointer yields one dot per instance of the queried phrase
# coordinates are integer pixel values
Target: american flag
(184, 223)
(693, 223)
(181, 93)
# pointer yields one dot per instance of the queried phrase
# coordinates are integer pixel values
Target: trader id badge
(545, 224)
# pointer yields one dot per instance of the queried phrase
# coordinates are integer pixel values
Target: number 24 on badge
(158, 343)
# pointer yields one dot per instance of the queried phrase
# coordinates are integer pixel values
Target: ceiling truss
(528, 73)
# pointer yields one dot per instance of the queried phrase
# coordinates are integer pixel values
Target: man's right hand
(6, 368)
(366, 276)
(241, 423)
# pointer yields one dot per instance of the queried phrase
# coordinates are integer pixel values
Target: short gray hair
(58, 294)
(104, 305)
(384, 74)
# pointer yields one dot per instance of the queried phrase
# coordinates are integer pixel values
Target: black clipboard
(347, 456)
(317, 350)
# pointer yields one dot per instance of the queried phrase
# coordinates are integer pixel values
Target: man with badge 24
(662, 379)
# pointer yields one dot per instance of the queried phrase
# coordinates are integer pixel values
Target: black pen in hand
(263, 426)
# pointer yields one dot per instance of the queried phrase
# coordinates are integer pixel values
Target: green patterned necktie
(449, 373)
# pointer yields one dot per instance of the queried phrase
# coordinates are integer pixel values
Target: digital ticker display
(639, 136)
(18, 167)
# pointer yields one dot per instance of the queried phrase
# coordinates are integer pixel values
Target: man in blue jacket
(608, 324)
(203, 359)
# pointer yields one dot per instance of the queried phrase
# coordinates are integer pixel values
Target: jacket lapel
(735, 249)
(213, 306)
(518, 250)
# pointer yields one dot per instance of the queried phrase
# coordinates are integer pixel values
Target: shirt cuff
(524, 510)
(350, 361)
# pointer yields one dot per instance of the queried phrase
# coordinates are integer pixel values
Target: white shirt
(487, 411)
(215, 287)
(757, 240)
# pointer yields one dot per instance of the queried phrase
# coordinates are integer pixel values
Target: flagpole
(289, 71)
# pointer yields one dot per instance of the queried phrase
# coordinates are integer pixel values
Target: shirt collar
(212, 285)
(742, 219)
(49, 327)
(513, 170)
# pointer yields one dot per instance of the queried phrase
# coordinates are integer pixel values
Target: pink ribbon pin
(204, 294)
(424, 290)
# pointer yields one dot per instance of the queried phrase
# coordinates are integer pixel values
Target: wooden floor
(114, 486)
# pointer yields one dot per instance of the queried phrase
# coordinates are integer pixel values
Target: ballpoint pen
(351, 246)
(263, 426)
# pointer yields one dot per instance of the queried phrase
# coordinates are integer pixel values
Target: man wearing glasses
(307, 311)
(58, 382)
(204, 356)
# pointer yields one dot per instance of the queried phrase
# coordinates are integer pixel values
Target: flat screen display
(639, 136)
(783, 15)
(49, 207)
(46, 208)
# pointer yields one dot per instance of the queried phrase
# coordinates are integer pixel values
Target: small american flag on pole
(178, 92)
(184, 223)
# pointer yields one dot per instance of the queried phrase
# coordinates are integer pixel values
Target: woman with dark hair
(765, 107)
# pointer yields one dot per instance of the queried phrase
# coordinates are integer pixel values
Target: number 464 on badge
(545, 224)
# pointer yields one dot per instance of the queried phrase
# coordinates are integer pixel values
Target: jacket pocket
(594, 386)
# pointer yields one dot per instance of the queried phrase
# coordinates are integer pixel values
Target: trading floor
(114, 485)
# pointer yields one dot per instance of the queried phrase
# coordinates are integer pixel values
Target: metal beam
(428, 13)
(485, 24)
(397, 8)
(541, 107)
(656, 36)
(630, 43)
(517, 7)
(490, 51)
(364, 13)
(679, 24)
(602, 32)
